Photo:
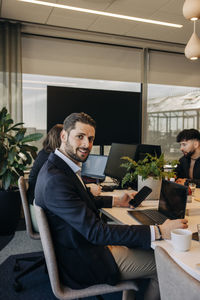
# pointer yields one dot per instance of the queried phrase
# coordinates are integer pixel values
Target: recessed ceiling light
(102, 13)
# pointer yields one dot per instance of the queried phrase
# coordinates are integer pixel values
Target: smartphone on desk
(195, 236)
(140, 196)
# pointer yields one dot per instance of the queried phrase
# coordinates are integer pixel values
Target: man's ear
(196, 144)
(63, 136)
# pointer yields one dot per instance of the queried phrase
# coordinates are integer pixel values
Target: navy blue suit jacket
(79, 235)
(37, 165)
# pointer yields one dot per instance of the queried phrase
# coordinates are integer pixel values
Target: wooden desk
(187, 260)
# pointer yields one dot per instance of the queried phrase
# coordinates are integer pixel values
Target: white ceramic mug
(181, 239)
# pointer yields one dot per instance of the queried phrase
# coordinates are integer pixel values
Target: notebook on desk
(172, 203)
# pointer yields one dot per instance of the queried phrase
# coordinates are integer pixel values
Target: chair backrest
(59, 290)
(26, 209)
(48, 249)
(174, 282)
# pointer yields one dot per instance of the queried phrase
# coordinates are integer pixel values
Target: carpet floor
(4, 240)
(36, 284)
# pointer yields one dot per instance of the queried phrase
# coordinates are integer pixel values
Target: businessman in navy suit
(80, 237)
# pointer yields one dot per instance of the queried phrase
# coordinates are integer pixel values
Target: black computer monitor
(173, 198)
(143, 149)
(120, 112)
(94, 166)
(113, 167)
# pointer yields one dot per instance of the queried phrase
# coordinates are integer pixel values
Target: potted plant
(15, 155)
(149, 171)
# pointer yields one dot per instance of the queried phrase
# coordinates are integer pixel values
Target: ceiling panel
(112, 25)
(173, 6)
(136, 8)
(163, 33)
(163, 10)
(89, 4)
(71, 19)
(13, 9)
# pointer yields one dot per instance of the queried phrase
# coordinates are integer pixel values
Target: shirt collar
(75, 168)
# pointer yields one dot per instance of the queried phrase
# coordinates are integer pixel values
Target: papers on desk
(193, 209)
(197, 194)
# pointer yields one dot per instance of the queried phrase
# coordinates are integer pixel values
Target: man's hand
(95, 189)
(169, 225)
(181, 181)
(123, 201)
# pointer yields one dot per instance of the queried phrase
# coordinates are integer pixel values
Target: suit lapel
(60, 164)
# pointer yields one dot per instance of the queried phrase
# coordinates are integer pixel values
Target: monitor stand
(101, 149)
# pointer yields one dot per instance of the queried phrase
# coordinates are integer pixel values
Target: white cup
(181, 239)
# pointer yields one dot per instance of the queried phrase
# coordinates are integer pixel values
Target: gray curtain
(11, 69)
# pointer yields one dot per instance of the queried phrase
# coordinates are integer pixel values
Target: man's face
(188, 147)
(78, 143)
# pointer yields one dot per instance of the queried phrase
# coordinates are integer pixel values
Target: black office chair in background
(37, 261)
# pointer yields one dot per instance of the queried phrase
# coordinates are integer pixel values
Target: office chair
(37, 261)
(64, 292)
(174, 282)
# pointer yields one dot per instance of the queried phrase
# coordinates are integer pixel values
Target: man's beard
(74, 156)
(189, 154)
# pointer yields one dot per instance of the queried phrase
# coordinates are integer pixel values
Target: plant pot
(154, 184)
(10, 206)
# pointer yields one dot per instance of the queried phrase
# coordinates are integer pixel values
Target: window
(170, 110)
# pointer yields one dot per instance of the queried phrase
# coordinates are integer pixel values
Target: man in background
(189, 166)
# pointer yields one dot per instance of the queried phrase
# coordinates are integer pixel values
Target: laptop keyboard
(148, 216)
(157, 217)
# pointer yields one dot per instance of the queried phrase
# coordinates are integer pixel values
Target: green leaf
(31, 149)
(33, 153)
(3, 167)
(11, 154)
(6, 179)
(7, 124)
(20, 134)
(15, 177)
(32, 137)
(11, 137)
(28, 160)
(25, 147)
(150, 166)
(14, 127)
(3, 115)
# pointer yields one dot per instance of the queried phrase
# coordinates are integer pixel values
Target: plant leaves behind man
(15, 153)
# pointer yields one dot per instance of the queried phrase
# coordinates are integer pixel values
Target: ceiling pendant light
(192, 49)
(191, 9)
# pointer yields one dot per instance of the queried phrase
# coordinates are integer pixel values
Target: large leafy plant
(15, 152)
(150, 166)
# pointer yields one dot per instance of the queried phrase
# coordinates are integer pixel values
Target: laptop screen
(173, 198)
(94, 166)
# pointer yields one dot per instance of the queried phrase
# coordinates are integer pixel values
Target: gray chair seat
(37, 261)
(59, 290)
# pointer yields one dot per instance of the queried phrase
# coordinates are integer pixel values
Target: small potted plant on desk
(15, 155)
(149, 171)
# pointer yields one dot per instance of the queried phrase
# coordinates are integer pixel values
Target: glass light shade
(192, 49)
(191, 9)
